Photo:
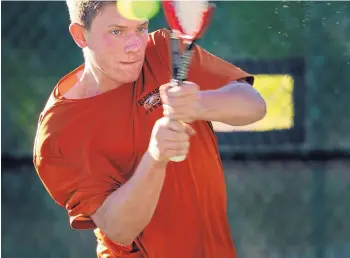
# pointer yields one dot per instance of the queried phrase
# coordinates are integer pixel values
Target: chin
(130, 78)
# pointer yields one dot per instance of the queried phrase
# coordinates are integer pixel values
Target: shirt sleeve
(207, 70)
(81, 190)
(211, 72)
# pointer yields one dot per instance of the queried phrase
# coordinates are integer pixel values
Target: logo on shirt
(150, 101)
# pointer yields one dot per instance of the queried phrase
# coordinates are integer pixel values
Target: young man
(105, 137)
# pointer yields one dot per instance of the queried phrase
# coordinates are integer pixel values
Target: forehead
(109, 16)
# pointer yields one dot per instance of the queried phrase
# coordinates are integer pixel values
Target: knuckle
(191, 85)
(163, 87)
(174, 89)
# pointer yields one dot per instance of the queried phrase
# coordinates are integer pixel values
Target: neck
(96, 82)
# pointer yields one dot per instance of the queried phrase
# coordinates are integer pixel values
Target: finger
(181, 101)
(173, 136)
(164, 88)
(176, 153)
(183, 115)
(169, 110)
(191, 86)
(171, 145)
(189, 130)
(178, 91)
(175, 126)
(163, 91)
(186, 88)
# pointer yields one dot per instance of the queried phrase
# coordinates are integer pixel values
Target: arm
(95, 195)
(237, 103)
(227, 94)
(127, 211)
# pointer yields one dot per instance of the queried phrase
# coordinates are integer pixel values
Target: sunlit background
(288, 175)
(277, 90)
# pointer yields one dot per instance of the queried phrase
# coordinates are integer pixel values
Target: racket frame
(181, 61)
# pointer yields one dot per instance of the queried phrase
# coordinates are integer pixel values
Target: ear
(78, 34)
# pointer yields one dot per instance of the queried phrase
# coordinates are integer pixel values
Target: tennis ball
(138, 9)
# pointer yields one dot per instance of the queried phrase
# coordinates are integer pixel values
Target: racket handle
(178, 158)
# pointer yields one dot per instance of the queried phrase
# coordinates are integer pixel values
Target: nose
(133, 44)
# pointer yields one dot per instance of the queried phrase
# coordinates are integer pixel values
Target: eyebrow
(125, 27)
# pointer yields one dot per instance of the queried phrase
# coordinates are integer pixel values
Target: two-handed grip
(177, 158)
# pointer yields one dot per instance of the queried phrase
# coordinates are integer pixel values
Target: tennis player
(107, 132)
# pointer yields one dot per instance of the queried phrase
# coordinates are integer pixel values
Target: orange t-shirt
(86, 148)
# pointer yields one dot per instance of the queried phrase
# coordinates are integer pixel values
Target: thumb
(189, 130)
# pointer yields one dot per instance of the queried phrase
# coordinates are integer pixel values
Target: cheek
(111, 44)
(108, 40)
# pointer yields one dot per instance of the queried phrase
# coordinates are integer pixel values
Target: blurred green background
(287, 197)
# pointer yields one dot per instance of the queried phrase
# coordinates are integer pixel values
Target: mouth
(129, 62)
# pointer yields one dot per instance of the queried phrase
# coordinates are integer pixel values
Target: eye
(142, 29)
(116, 32)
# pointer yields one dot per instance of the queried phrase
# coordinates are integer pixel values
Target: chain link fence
(288, 176)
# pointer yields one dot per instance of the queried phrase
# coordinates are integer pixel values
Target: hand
(169, 138)
(181, 103)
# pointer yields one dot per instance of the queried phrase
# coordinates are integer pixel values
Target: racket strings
(181, 61)
(187, 20)
(186, 59)
(190, 15)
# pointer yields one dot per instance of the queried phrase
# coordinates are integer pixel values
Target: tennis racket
(187, 20)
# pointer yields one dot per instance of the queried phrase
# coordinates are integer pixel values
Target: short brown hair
(84, 11)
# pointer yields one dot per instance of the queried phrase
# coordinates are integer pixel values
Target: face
(116, 45)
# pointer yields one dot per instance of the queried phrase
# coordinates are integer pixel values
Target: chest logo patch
(150, 101)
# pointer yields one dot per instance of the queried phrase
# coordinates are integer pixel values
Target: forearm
(128, 210)
(234, 104)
